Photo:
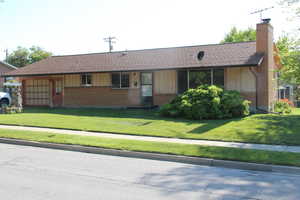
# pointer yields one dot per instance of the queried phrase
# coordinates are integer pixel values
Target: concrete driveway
(36, 173)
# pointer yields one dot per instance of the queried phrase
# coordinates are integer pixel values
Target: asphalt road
(43, 174)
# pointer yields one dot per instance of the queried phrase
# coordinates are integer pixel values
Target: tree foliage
(236, 35)
(289, 52)
(23, 56)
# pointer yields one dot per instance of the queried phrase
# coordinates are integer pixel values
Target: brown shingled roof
(217, 55)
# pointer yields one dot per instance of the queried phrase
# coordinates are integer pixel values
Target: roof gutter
(256, 93)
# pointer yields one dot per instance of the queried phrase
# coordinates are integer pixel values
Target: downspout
(256, 96)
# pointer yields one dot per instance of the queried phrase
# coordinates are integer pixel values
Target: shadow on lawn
(207, 125)
(148, 116)
(274, 129)
(95, 112)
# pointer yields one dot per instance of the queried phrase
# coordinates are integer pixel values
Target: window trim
(120, 80)
(86, 85)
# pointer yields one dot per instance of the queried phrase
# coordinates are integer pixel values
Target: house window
(199, 77)
(194, 78)
(120, 80)
(182, 83)
(218, 77)
(206, 77)
(86, 79)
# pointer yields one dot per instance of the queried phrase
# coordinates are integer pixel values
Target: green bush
(282, 107)
(207, 102)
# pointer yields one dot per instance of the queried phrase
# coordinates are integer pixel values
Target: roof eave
(8, 65)
(150, 69)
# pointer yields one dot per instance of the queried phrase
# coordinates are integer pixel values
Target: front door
(57, 93)
(146, 87)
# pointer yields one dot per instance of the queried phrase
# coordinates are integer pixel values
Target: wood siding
(242, 80)
(101, 79)
(165, 86)
(165, 82)
(72, 80)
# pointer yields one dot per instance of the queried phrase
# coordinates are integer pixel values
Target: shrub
(10, 109)
(207, 102)
(282, 107)
(233, 105)
(287, 101)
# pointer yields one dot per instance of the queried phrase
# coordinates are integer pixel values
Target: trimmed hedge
(207, 102)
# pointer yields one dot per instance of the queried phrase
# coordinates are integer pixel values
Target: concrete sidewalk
(281, 148)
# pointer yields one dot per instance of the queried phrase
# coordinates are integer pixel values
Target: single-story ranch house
(4, 67)
(153, 76)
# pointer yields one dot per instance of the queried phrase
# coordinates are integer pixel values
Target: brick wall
(266, 84)
(160, 99)
(101, 96)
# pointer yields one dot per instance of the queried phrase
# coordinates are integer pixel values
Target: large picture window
(120, 80)
(199, 77)
(86, 79)
(194, 78)
(208, 77)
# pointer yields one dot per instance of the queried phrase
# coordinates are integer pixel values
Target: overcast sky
(79, 26)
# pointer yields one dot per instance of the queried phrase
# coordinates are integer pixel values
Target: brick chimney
(266, 81)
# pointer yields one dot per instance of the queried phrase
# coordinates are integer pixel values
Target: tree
(19, 57)
(289, 52)
(23, 56)
(37, 54)
(236, 35)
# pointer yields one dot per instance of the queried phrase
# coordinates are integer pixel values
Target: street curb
(157, 156)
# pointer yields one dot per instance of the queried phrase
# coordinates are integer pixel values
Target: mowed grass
(259, 128)
(225, 153)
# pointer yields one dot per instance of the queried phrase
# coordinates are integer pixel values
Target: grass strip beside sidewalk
(223, 153)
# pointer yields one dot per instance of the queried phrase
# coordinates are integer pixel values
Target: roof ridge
(216, 44)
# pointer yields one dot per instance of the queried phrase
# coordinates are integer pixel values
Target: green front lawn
(260, 128)
(225, 153)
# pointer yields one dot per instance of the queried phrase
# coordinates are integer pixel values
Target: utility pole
(111, 41)
(261, 11)
(6, 54)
